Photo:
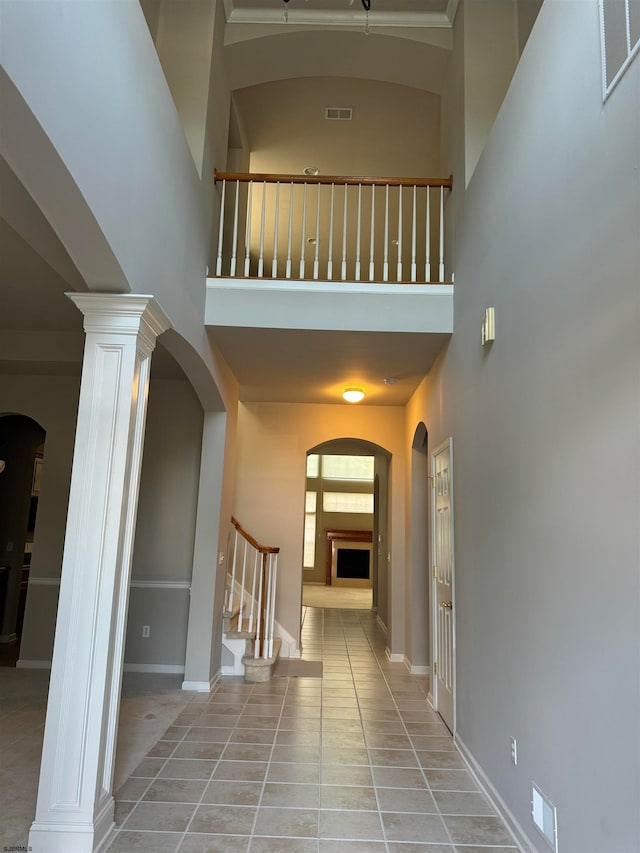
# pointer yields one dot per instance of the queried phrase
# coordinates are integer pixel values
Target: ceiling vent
(339, 113)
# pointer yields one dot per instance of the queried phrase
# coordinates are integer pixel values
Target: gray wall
(166, 518)
(546, 443)
(163, 552)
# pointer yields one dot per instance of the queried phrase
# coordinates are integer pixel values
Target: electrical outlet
(514, 751)
(146, 631)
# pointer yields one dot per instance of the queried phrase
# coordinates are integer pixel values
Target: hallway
(353, 761)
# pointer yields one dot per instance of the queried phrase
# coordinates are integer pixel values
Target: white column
(202, 661)
(74, 812)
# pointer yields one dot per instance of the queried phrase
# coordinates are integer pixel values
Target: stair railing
(252, 585)
(332, 228)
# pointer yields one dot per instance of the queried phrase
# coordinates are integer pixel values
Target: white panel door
(443, 586)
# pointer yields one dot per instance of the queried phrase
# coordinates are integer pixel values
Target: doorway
(443, 615)
(21, 459)
(347, 496)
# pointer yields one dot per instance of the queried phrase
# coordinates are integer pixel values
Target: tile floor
(353, 761)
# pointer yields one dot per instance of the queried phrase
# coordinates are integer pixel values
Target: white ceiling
(295, 366)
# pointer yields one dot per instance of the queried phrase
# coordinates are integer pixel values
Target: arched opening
(417, 588)
(21, 460)
(346, 521)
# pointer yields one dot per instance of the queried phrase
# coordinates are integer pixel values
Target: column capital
(122, 314)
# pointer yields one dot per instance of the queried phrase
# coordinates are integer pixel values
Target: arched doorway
(21, 459)
(346, 517)
(417, 588)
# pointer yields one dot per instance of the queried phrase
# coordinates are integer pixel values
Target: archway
(21, 454)
(364, 528)
(417, 588)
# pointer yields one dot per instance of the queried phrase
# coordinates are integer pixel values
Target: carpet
(296, 668)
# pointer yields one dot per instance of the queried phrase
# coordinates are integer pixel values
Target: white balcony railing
(251, 585)
(332, 228)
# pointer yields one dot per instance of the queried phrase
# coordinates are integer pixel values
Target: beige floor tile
(287, 823)
(421, 827)
(175, 791)
(197, 843)
(298, 796)
(225, 820)
(145, 842)
(456, 803)
(232, 793)
(350, 824)
(348, 797)
(477, 830)
(160, 817)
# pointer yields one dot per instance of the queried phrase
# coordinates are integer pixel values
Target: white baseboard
(519, 835)
(415, 669)
(202, 686)
(160, 668)
(394, 658)
(381, 624)
(289, 647)
(24, 663)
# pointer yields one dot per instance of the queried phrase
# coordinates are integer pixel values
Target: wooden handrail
(341, 180)
(262, 549)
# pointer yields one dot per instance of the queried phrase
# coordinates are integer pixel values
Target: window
(313, 465)
(309, 549)
(620, 26)
(347, 502)
(348, 468)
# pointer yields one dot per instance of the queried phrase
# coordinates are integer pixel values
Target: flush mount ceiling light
(353, 395)
(311, 171)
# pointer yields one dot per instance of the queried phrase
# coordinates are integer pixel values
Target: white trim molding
(415, 669)
(202, 686)
(393, 657)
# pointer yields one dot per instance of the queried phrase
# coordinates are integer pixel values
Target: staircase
(249, 614)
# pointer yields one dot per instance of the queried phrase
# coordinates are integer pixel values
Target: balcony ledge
(329, 305)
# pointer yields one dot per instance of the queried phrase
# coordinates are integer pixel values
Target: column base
(74, 837)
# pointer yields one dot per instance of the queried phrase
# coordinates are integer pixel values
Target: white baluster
(233, 572)
(221, 229)
(242, 584)
(262, 215)
(274, 262)
(316, 262)
(372, 265)
(414, 271)
(441, 269)
(427, 265)
(234, 248)
(274, 566)
(253, 591)
(344, 237)
(399, 266)
(256, 645)
(385, 265)
(288, 267)
(330, 260)
(267, 608)
(358, 232)
(303, 231)
(247, 236)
